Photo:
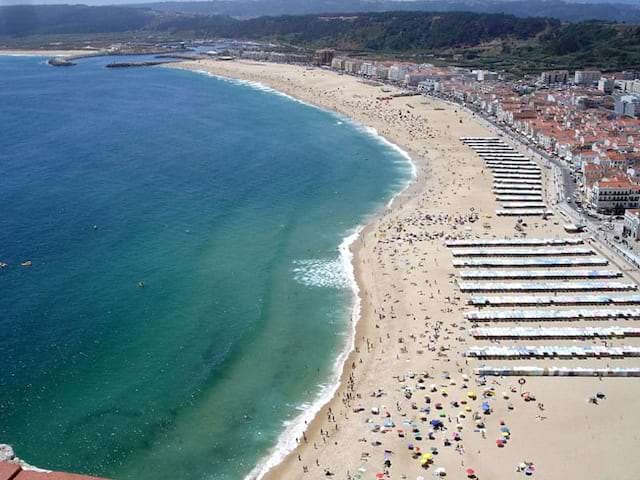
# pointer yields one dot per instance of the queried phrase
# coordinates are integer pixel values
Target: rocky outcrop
(60, 62)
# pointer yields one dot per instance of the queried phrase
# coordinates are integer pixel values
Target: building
(587, 77)
(429, 85)
(337, 63)
(324, 56)
(486, 76)
(368, 69)
(627, 106)
(614, 196)
(414, 78)
(631, 226)
(382, 72)
(554, 76)
(397, 73)
(352, 66)
(605, 85)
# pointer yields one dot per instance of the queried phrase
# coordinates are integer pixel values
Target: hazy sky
(120, 2)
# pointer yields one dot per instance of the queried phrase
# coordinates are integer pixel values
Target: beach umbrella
(426, 457)
(436, 423)
(472, 395)
(471, 473)
(380, 475)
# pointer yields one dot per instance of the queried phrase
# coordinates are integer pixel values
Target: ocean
(190, 291)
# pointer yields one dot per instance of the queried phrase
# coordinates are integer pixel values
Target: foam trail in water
(295, 427)
(320, 272)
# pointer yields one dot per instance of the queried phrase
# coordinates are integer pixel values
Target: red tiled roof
(13, 471)
(9, 471)
(617, 183)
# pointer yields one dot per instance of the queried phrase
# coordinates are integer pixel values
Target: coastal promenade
(410, 403)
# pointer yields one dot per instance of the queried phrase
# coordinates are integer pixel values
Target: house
(614, 195)
(631, 226)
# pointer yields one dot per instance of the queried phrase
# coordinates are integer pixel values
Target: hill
(21, 20)
(388, 31)
(559, 9)
(497, 41)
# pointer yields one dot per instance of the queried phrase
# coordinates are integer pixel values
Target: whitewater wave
(320, 273)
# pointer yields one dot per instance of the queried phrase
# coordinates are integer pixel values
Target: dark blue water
(186, 293)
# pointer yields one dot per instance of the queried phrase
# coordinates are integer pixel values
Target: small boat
(28, 263)
(140, 284)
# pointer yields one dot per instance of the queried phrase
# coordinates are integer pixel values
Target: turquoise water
(229, 204)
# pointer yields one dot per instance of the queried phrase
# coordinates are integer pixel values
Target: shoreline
(411, 317)
(352, 245)
(44, 53)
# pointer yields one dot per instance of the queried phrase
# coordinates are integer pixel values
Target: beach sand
(46, 53)
(412, 321)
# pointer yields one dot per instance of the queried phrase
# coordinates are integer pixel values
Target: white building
(586, 77)
(631, 227)
(414, 78)
(486, 76)
(429, 85)
(627, 106)
(337, 63)
(382, 72)
(615, 195)
(397, 73)
(352, 66)
(368, 69)
(605, 85)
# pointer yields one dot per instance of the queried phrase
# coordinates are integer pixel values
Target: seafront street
(411, 403)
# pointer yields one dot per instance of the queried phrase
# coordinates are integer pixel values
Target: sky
(122, 2)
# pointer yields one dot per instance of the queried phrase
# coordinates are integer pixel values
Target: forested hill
(21, 20)
(389, 31)
(616, 11)
(492, 40)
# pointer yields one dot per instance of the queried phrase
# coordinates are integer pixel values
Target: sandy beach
(408, 366)
(45, 53)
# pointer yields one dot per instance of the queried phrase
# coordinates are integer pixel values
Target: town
(587, 121)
